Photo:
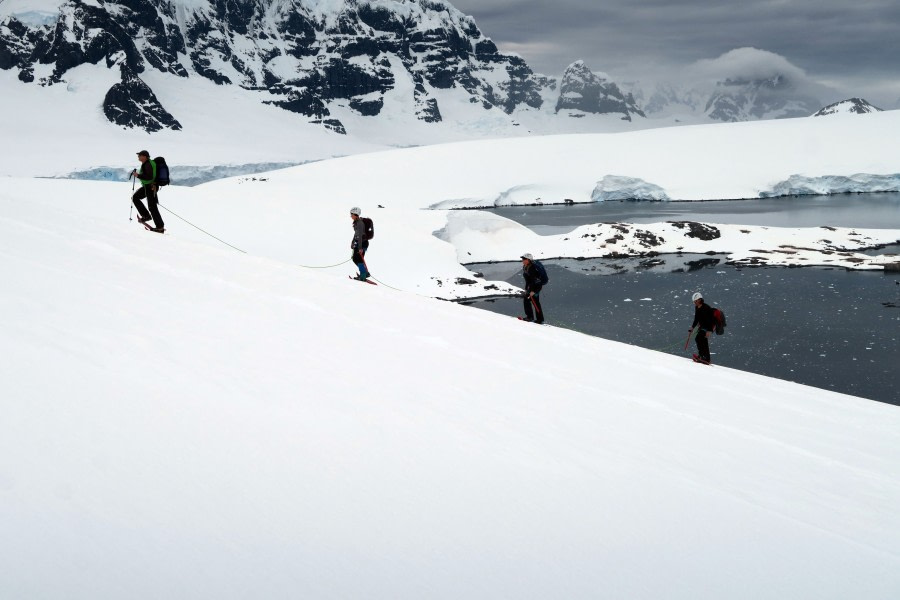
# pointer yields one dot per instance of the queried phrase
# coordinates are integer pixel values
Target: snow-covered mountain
(583, 91)
(344, 64)
(851, 106)
(732, 100)
(745, 84)
(305, 56)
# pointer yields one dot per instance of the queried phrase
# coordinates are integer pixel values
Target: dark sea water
(829, 328)
(873, 211)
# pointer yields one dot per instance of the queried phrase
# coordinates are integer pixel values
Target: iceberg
(799, 185)
(619, 187)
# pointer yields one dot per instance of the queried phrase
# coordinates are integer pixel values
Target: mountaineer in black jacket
(535, 279)
(704, 318)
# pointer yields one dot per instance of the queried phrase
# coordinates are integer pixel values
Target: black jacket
(532, 278)
(359, 241)
(703, 315)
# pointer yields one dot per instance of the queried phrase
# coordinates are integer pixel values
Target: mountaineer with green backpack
(150, 182)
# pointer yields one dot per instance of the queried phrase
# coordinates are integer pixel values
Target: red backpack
(719, 316)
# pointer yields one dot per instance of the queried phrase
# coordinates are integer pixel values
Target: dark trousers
(702, 345)
(360, 262)
(533, 310)
(149, 193)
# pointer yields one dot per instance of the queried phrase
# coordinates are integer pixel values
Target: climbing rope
(238, 249)
(200, 229)
(379, 282)
(326, 266)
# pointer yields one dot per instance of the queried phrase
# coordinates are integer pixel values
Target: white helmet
(355, 211)
(527, 255)
(696, 296)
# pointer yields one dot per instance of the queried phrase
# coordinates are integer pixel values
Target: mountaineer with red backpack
(709, 319)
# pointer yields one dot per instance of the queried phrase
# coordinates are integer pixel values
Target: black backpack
(719, 316)
(370, 227)
(542, 273)
(162, 171)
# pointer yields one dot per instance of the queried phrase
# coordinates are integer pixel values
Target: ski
(697, 359)
(363, 280)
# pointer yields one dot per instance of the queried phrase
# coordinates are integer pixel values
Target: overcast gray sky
(853, 46)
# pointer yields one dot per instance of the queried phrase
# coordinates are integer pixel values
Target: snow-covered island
(492, 238)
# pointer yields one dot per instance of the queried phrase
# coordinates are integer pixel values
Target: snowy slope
(182, 420)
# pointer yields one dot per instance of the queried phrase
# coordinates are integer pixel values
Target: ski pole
(131, 205)
(688, 340)
(538, 311)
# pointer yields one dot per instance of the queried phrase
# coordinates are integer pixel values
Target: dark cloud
(852, 46)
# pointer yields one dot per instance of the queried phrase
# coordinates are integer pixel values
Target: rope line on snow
(379, 282)
(238, 249)
(200, 229)
(325, 267)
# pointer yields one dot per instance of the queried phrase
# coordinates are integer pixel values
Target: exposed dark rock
(132, 104)
(648, 239)
(698, 230)
(367, 108)
(696, 265)
(332, 124)
(17, 46)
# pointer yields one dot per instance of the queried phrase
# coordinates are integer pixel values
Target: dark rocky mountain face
(582, 90)
(304, 56)
(131, 103)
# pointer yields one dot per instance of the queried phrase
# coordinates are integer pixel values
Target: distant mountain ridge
(735, 99)
(305, 53)
(322, 58)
